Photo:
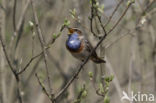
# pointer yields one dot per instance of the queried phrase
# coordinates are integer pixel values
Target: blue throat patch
(73, 43)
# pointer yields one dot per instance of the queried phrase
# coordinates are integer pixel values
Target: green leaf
(42, 77)
(102, 6)
(31, 24)
(34, 34)
(90, 74)
(109, 79)
(73, 13)
(66, 22)
(129, 2)
(133, 1)
(77, 101)
(72, 16)
(101, 88)
(89, 17)
(106, 99)
(59, 33)
(100, 10)
(54, 35)
(84, 94)
(27, 29)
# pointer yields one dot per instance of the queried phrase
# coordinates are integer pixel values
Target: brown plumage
(80, 47)
(94, 56)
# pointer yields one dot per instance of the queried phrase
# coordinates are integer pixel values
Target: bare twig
(41, 53)
(91, 20)
(1, 7)
(12, 69)
(115, 81)
(103, 28)
(3, 74)
(129, 32)
(113, 13)
(30, 61)
(34, 68)
(125, 11)
(42, 42)
(58, 65)
(7, 58)
(14, 15)
(18, 29)
(22, 15)
(43, 88)
(93, 9)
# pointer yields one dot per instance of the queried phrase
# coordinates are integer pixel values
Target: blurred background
(129, 50)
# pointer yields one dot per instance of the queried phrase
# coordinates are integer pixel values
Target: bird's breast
(74, 45)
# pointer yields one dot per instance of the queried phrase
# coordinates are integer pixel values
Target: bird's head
(72, 30)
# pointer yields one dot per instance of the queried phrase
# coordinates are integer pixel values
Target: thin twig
(115, 81)
(34, 68)
(43, 88)
(12, 69)
(42, 42)
(41, 53)
(2, 8)
(103, 28)
(113, 13)
(30, 61)
(14, 15)
(93, 9)
(7, 58)
(58, 65)
(120, 18)
(22, 15)
(20, 24)
(129, 32)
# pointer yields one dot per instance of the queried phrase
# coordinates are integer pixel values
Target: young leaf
(66, 22)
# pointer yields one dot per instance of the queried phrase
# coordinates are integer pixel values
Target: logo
(140, 97)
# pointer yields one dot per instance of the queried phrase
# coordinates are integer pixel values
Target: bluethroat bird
(80, 47)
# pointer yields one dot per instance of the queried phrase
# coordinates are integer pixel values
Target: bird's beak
(70, 30)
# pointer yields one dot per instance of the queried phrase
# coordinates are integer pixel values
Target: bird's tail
(98, 60)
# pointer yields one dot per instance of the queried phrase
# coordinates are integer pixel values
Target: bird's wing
(89, 47)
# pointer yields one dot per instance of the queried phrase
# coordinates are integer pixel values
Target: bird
(78, 45)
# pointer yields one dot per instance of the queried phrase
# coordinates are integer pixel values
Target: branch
(1, 7)
(40, 35)
(34, 68)
(30, 61)
(41, 53)
(20, 24)
(58, 65)
(113, 13)
(116, 81)
(121, 17)
(22, 15)
(79, 69)
(7, 58)
(12, 68)
(43, 88)
(14, 15)
(93, 9)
